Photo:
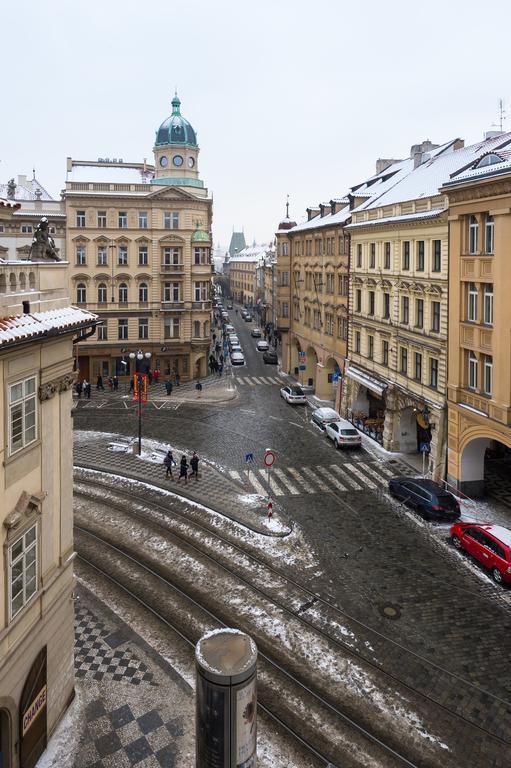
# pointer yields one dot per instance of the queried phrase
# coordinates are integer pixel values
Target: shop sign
(35, 709)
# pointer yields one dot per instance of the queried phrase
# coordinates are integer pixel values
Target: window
(385, 352)
(358, 300)
(404, 360)
(80, 218)
(172, 256)
(122, 329)
(200, 290)
(142, 256)
(101, 219)
(171, 292)
(488, 233)
(435, 315)
(196, 329)
(420, 256)
(342, 328)
(26, 229)
(329, 324)
(102, 256)
(102, 296)
(357, 341)
(488, 303)
(359, 254)
(406, 254)
(285, 248)
(433, 372)
(386, 256)
(372, 256)
(472, 303)
(473, 233)
(405, 310)
(472, 371)
(143, 328)
(22, 414)
(419, 313)
(418, 366)
(123, 293)
(171, 328)
(81, 293)
(123, 220)
(201, 256)
(285, 309)
(142, 219)
(143, 293)
(488, 374)
(102, 332)
(370, 347)
(22, 571)
(329, 282)
(122, 258)
(81, 258)
(386, 306)
(437, 256)
(171, 220)
(371, 303)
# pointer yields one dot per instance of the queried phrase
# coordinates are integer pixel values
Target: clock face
(177, 160)
(191, 162)
(163, 161)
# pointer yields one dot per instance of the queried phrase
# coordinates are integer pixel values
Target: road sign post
(249, 458)
(268, 461)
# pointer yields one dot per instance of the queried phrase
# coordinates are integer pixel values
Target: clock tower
(176, 152)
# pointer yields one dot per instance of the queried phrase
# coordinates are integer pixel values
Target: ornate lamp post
(139, 355)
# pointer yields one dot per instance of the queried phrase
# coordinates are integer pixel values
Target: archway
(200, 367)
(311, 362)
(5, 739)
(406, 428)
(325, 385)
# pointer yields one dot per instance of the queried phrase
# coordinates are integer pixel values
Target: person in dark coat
(169, 463)
(183, 470)
(168, 387)
(178, 379)
(116, 383)
(79, 388)
(198, 387)
(194, 464)
(86, 389)
(99, 383)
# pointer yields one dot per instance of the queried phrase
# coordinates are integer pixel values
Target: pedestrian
(194, 464)
(168, 387)
(149, 376)
(132, 384)
(215, 366)
(169, 463)
(214, 338)
(79, 389)
(178, 379)
(86, 389)
(110, 383)
(99, 383)
(220, 369)
(115, 381)
(156, 375)
(183, 470)
(198, 387)
(221, 358)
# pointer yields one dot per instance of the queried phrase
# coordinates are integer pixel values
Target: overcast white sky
(287, 96)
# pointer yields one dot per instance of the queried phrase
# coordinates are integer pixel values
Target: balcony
(172, 306)
(203, 305)
(45, 285)
(172, 269)
(204, 269)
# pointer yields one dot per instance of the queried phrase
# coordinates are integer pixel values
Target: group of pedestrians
(216, 366)
(112, 381)
(184, 466)
(83, 387)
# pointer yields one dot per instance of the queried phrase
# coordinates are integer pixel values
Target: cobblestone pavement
(372, 555)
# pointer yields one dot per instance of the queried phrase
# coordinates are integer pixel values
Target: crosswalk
(254, 381)
(347, 477)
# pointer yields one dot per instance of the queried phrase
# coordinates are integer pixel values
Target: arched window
(196, 329)
(12, 282)
(81, 293)
(206, 329)
(3, 283)
(123, 293)
(473, 232)
(23, 281)
(143, 292)
(102, 293)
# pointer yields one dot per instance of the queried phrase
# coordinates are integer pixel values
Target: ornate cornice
(480, 191)
(56, 386)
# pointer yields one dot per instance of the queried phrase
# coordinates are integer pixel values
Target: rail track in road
(271, 583)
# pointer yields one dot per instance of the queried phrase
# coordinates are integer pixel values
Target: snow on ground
(61, 749)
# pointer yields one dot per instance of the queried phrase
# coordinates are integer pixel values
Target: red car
(488, 544)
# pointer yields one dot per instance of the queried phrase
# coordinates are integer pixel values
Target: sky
(288, 97)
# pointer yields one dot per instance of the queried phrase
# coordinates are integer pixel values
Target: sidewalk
(215, 389)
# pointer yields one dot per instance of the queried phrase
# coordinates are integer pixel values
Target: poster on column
(246, 729)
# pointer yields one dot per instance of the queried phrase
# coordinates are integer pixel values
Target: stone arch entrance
(485, 467)
(311, 363)
(200, 367)
(5, 739)
(32, 733)
(325, 386)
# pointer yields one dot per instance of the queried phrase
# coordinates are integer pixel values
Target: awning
(375, 385)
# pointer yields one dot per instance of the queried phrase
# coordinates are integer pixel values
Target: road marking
(276, 418)
(243, 410)
(299, 479)
(375, 474)
(360, 475)
(300, 426)
(293, 489)
(330, 477)
(234, 474)
(275, 488)
(257, 485)
(349, 480)
(313, 476)
(250, 382)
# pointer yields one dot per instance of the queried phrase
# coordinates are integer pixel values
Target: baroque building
(37, 330)
(139, 244)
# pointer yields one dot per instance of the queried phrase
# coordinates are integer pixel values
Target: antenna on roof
(287, 206)
(33, 173)
(502, 116)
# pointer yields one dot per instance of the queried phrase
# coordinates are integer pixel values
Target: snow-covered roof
(4, 203)
(111, 173)
(27, 191)
(405, 217)
(53, 321)
(329, 220)
(484, 171)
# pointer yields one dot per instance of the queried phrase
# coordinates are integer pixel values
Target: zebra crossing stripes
(306, 487)
(253, 381)
(348, 480)
(292, 488)
(314, 477)
(376, 475)
(274, 487)
(365, 480)
(331, 477)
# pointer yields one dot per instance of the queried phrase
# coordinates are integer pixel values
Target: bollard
(226, 700)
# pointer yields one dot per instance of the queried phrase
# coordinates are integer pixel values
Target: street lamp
(139, 355)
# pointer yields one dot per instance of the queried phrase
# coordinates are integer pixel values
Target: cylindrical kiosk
(226, 705)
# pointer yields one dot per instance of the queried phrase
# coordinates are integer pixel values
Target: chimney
(418, 150)
(22, 181)
(69, 164)
(385, 162)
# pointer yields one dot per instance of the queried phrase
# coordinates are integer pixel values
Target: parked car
(343, 434)
(248, 318)
(233, 339)
(236, 348)
(230, 329)
(293, 394)
(237, 358)
(324, 416)
(229, 305)
(256, 333)
(225, 315)
(271, 358)
(262, 346)
(243, 313)
(429, 499)
(489, 544)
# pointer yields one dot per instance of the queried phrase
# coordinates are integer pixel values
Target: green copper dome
(175, 129)
(199, 236)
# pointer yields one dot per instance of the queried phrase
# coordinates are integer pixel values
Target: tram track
(134, 499)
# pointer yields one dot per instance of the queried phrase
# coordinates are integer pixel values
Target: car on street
(270, 358)
(256, 333)
(324, 416)
(233, 338)
(343, 434)
(262, 346)
(229, 305)
(489, 544)
(230, 329)
(248, 318)
(237, 358)
(293, 394)
(429, 499)
(236, 348)
(243, 313)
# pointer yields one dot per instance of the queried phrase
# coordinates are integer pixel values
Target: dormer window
(490, 159)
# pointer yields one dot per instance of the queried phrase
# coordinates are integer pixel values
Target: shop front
(365, 398)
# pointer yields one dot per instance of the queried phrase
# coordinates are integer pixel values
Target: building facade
(479, 378)
(244, 274)
(139, 244)
(37, 329)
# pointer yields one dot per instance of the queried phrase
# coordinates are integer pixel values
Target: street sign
(302, 367)
(140, 379)
(301, 355)
(269, 458)
(249, 458)
(335, 377)
(424, 448)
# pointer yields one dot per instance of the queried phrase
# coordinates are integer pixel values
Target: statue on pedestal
(43, 245)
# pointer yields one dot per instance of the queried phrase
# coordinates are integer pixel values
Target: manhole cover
(390, 611)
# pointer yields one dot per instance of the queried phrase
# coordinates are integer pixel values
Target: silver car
(237, 358)
(324, 416)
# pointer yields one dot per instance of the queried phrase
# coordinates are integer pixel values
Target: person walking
(220, 369)
(183, 470)
(99, 383)
(169, 463)
(198, 387)
(79, 388)
(214, 338)
(168, 387)
(178, 379)
(86, 389)
(221, 358)
(115, 381)
(194, 464)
